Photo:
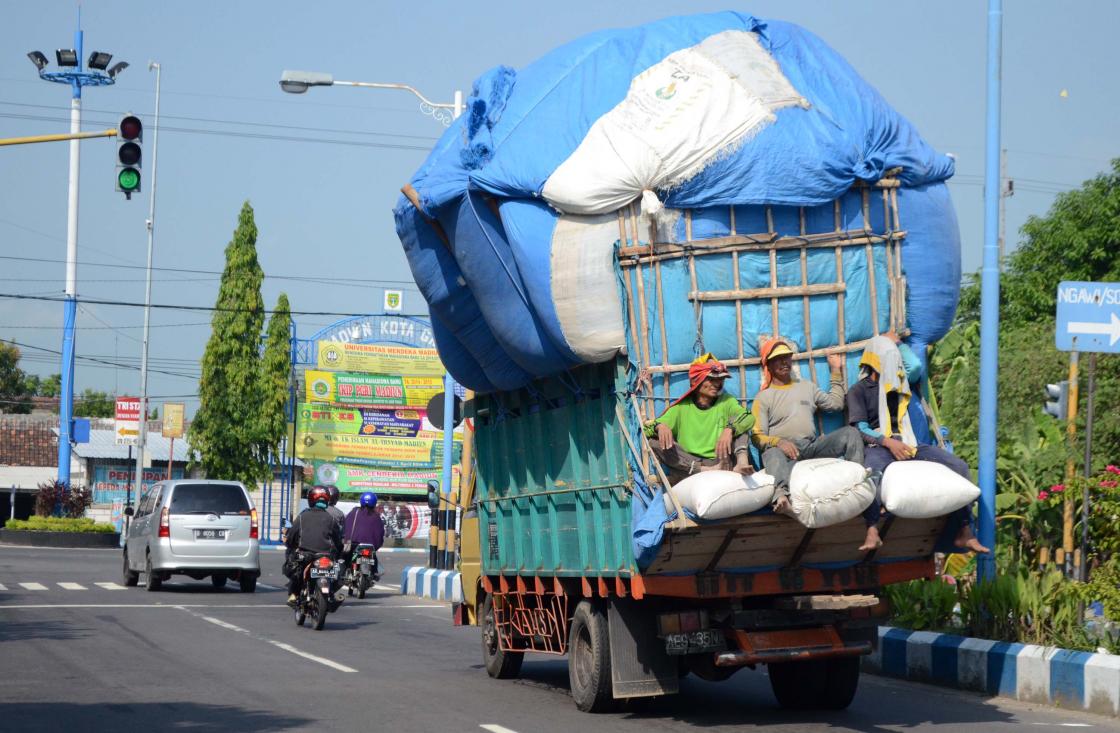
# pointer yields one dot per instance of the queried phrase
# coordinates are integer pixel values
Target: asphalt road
(79, 652)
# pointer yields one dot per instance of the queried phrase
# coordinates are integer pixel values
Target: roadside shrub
(48, 496)
(76, 502)
(921, 605)
(59, 524)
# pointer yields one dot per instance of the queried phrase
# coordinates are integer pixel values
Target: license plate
(209, 534)
(330, 572)
(695, 642)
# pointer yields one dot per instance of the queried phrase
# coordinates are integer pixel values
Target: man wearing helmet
(363, 525)
(313, 532)
(333, 510)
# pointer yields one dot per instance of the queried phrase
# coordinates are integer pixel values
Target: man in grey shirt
(784, 410)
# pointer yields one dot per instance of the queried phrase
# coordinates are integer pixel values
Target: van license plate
(695, 642)
(209, 534)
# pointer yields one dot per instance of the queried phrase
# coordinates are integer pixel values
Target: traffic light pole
(54, 138)
(142, 436)
(1083, 576)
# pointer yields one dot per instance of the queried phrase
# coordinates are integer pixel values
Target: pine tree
(276, 376)
(227, 433)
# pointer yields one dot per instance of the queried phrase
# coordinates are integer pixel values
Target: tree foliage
(15, 393)
(276, 375)
(1077, 240)
(227, 432)
(92, 403)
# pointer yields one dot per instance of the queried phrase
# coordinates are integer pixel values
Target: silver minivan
(193, 527)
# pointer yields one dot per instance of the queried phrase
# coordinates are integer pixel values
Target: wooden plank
(631, 255)
(784, 291)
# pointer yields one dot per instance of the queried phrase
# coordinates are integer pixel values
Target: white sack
(924, 489)
(722, 494)
(678, 115)
(827, 491)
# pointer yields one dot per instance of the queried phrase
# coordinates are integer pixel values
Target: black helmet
(333, 491)
(317, 495)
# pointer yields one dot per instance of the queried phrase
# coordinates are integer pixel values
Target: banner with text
(357, 479)
(379, 359)
(402, 422)
(370, 390)
(110, 483)
(423, 451)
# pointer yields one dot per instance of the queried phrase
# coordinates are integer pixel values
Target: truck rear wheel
(589, 660)
(823, 684)
(501, 665)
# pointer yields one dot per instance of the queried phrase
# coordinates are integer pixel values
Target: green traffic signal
(128, 179)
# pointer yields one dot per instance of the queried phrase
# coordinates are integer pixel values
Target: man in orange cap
(704, 429)
(784, 411)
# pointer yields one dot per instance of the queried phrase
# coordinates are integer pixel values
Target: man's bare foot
(782, 506)
(743, 465)
(967, 541)
(871, 541)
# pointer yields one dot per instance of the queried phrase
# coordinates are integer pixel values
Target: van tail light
(324, 562)
(254, 528)
(164, 524)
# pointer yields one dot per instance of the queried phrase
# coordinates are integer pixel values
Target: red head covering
(700, 369)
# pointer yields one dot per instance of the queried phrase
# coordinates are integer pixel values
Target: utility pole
(1007, 190)
(142, 435)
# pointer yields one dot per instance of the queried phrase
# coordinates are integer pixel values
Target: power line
(169, 306)
(96, 360)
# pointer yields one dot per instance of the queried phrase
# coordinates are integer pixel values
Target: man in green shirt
(704, 429)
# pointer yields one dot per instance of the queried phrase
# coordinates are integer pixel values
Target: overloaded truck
(594, 222)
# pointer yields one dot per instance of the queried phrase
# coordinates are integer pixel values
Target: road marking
(277, 644)
(495, 728)
(267, 586)
(386, 585)
(34, 586)
(312, 657)
(28, 606)
(109, 586)
(3, 587)
(72, 586)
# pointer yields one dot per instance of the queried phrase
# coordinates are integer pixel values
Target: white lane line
(312, 657)
(495, 728)
(277, 644)
(72, 586)
(34, 586)
(109, 586)
(27, 606)
(386, 585)
(3, 587)
(265, 585)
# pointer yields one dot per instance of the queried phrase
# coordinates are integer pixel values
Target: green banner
(372, 390)
(359, 479)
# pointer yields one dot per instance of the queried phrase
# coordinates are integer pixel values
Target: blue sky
(322, 170)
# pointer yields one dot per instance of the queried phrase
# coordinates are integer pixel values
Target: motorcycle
(362, 572)
(317, 598)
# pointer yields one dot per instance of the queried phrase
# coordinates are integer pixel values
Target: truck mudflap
(787, 645)
(640, 666)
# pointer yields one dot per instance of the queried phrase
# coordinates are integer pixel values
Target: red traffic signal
(131, 128)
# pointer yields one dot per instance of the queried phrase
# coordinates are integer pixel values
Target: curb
(71, 540)
(1026, 672)
(440, 585)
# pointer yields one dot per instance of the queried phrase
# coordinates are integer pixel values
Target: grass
(59, 524)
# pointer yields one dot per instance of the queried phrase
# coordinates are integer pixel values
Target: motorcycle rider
(333, 510)
(364, 526)
(313, 532)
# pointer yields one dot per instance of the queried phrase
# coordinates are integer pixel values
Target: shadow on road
(43, 629)
(881, 705)
(120, 717)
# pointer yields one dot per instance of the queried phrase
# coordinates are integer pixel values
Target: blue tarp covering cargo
(716, 129)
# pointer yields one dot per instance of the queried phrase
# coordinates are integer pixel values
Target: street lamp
(298, 82)
(70, 72)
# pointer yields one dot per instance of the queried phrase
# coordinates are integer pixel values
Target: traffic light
(1057, 400)
(130, 133)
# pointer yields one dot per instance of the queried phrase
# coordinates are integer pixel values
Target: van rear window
(208, 498)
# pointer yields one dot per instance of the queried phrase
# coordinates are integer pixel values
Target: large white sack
(923, 489)
(827, 491)
(722, 494)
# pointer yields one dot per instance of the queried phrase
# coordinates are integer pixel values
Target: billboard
(402, 422)
(173, 419)
(370, 390)
(379, 359)
(110, 482)
(423, 451)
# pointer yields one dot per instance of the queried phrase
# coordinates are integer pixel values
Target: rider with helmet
(364, 525)
(313, 532)
(333, 510)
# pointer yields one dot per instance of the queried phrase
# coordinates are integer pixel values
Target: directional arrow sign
(1088, 317)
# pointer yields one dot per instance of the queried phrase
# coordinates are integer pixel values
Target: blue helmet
(368, 499)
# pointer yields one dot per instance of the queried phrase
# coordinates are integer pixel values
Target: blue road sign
(1088, 317)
